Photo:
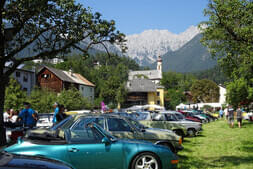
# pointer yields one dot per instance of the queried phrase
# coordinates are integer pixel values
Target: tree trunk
(2, 95)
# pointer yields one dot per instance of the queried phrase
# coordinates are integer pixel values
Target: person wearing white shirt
(14, 116)
(6, 115)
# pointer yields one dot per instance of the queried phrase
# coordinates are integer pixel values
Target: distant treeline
(215, 74)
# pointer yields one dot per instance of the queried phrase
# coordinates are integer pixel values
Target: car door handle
(73, 150)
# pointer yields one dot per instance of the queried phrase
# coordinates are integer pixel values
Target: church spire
(159, 64)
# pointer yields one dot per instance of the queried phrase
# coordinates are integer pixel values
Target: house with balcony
(58, 80)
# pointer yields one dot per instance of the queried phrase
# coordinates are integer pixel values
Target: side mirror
(106, 141)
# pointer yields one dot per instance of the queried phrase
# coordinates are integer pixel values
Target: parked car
(122, 127)
(126, 127)
(77, 112)
(45, 120)
(90, 147)
(176, 128)
(188, 117)
(193, 128)
(15, 161)
(189, 113)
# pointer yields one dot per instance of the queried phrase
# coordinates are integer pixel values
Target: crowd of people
(28, 118)
(230, 115)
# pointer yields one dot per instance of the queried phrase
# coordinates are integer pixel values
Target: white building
(154, 75)
(52, 61)
(26, 78)
(222, 101)
(223, 92)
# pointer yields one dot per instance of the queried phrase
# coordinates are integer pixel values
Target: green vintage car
(91, 147)
(147, 119)
(122, 127)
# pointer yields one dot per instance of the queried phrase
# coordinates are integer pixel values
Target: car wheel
(146, 161)
(191, 132)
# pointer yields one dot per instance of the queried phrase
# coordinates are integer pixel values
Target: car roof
(98, 114)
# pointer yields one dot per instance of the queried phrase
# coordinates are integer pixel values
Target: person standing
(56, 111)
(239, 116)
(7, 115)
(226, 113)
(27, 116)
(231, 116)
(221, 113)
(14, 116)
(61, 115)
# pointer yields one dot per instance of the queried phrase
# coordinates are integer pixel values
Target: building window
(45, 76)
(91, 89)
(25, 78)
(17, 74)
(157, 93)
(158, 102)
(25, 89)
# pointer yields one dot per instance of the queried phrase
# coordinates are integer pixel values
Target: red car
(189, 117)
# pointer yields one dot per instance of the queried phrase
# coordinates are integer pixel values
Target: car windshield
(5, 158)
(137, 124)
(141, 116)
(179, 116)
(91, 120)
(59, 125)
(107, 134)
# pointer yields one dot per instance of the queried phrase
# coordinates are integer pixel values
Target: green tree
(14, 95)
(205, 91)
(173, 98)
(237, 92)
(121, 94)
(229, 36)
(73, 100)
(174, 80)
(42, 100)
(45, 28)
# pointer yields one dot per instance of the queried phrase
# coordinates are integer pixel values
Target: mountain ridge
(193, 56)
(148, 45)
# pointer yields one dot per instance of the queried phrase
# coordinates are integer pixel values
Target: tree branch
(229, 30)
(2, 4)
(12, 54)
(17, 62)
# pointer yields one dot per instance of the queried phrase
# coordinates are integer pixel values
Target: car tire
(146, 157)
(191, 132)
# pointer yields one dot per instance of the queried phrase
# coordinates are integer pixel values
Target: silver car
(193, 128)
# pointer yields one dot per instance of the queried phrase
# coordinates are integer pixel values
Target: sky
(135, 16)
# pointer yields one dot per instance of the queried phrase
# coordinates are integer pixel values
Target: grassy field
(219, 147)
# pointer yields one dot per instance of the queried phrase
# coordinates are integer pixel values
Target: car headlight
(180, 140)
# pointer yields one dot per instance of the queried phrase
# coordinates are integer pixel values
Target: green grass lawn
(219, 147)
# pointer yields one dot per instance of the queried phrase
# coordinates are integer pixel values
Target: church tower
(159, 64)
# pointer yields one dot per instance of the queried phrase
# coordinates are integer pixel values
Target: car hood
(199, 116)
(189, 122)
(162, 133)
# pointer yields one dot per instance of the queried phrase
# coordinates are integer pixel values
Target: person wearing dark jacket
(61, 115)
(239, 116)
